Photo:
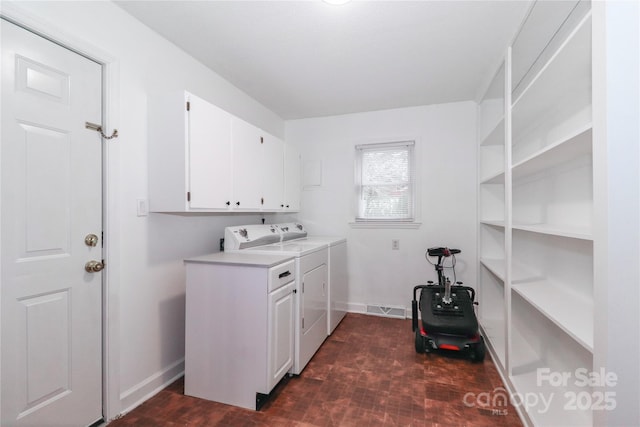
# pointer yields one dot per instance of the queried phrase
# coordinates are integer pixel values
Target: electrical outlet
(395, 244)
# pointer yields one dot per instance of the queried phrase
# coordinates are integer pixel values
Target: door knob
(91, 240)
(93, 266)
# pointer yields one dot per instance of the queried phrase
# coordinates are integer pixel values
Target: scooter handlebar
(442, 251)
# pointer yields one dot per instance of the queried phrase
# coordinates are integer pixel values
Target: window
(385, 183)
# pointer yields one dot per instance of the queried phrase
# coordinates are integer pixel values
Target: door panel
(314, 297)
(247, 159)
(209, 155)
(46, 175)
(272, 176)
(281, 333)
(51, 198)
(48, 361)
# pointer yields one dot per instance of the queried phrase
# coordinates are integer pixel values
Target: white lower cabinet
(281, 306)
(239, 332)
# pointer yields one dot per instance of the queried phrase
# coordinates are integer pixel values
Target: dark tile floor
(367, 373)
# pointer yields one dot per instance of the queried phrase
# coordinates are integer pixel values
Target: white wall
(445, 138)
(616, 128)
(145, 271)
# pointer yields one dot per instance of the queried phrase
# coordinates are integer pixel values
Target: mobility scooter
(448, 320)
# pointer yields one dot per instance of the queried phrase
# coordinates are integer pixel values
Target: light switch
(143, 207)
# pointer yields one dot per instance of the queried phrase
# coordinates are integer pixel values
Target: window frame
(363, 222)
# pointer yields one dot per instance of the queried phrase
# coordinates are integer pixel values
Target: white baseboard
(136, 395)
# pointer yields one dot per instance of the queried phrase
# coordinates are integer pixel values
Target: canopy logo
(498, 400)
(581, 390)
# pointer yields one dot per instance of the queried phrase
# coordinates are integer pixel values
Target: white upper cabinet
(209, 155)
(258, 168)
(246, 150)
(189, 154)
(203, 159)
(272, 176)
(292, 178)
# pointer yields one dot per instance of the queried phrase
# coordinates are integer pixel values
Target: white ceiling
(309, 59)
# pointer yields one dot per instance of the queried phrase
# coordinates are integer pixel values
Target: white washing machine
(338, 287)
(312, 280)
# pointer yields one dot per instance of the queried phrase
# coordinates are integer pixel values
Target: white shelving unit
(576, 319)
(534, 354)
(492, 176)
(535, 214)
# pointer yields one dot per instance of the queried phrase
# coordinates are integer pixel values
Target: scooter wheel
(479, 351)
(420, 347)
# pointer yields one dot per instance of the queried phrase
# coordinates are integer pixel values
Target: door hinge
(303, 287)
(303, 323)
(261, 140)
(188, 106)
(188, 196)
(262, 200)
(102, 239)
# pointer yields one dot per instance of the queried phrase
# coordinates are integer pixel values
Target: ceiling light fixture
(336, 2)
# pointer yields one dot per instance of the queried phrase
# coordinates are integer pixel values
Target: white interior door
(51, 198)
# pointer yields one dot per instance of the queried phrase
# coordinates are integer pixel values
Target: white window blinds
(385, 181)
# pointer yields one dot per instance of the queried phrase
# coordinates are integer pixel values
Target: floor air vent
(386, 311)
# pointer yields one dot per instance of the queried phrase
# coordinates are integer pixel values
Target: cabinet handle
(237, 203)
(287, 206)
(228, 203)
(285, 274)
(282, 206)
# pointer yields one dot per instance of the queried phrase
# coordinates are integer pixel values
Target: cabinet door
(281, 330)
(272, 175)
(292, 172)
(314, 299)
(209, 155)
(246, 150)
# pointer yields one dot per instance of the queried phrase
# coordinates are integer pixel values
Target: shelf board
(520, 273)
(496, 136)
(583, 233)
(493, 222)
(497, 178)
(572, 312)
(494, 332)
(524, 358)
(561, 84)
(496, 266)
(556, 413)
(577, 144)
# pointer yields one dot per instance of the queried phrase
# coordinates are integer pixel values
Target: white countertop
(241, 258)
